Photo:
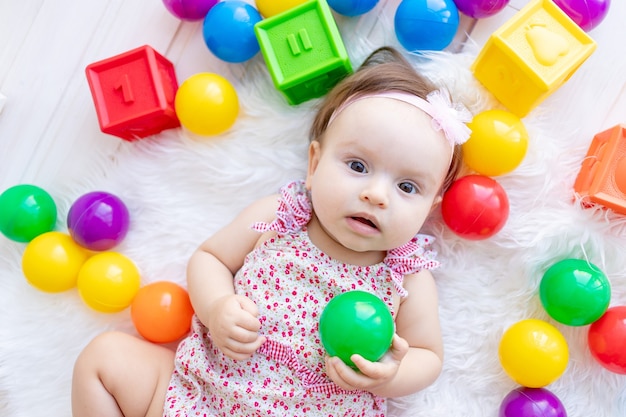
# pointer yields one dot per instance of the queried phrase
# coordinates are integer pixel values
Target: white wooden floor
(48, 126)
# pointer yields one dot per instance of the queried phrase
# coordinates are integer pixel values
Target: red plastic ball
(475, 207)
(161, 312)
(607, 339)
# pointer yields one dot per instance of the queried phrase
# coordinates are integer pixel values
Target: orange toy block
(531, 56)
(602, 176)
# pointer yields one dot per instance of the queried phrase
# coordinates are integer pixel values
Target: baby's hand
(372, 375)
(234, 325)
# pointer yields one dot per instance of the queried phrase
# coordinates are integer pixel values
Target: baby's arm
(415, 359)
(231, 319)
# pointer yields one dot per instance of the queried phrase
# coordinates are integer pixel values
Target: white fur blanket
(180, 189)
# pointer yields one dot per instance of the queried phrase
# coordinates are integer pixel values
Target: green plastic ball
(26, 211)
(575, 292)
(356, 322)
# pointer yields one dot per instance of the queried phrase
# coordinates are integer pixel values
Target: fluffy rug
(180, 188)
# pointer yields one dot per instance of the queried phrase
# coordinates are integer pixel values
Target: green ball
(26, 211)
(575, 292)
(356, 322)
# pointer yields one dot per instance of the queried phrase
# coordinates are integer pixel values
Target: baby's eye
(357, 166)
(408, 187)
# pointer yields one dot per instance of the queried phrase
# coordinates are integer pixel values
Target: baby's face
(376, 174)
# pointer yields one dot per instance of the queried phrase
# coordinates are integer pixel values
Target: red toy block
(602, 176)
(134, 93)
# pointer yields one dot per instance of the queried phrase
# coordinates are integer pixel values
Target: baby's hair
(383, 70)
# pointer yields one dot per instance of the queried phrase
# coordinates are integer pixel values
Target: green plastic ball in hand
(356, 322)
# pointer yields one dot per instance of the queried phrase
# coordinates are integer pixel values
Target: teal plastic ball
(356, 322)
(26, 211)
(575, 292)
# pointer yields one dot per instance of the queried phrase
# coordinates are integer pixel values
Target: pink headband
(446, 116)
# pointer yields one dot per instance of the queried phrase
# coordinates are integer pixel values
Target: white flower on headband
(449, 117)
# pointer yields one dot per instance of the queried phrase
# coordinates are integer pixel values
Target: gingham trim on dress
(410, 258)
(293, 213)
(311, 381)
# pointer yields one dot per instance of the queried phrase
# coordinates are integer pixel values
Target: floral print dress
(291, 281)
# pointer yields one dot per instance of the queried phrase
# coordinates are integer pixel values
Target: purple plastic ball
(586, 13)
(479, 9)
(189, 9)
(98, 220)
(531, 402)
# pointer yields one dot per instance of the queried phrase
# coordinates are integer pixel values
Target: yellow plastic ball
(270, 8)
(533, 353)
(108, 282)
(52, 260)
(206, 104)
(497, 144)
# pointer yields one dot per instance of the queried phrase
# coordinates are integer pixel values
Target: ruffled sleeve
(294, 210)
(410, 258)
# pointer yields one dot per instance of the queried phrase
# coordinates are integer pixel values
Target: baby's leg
(121, 375)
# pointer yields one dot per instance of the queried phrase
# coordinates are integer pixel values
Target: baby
(385, 145)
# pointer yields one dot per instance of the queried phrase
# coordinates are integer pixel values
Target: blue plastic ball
(228, 31)
(426, 25)
(352, 7)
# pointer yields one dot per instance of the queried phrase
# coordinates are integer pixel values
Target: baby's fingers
(376, 372)
(243, 336)
(248, 320)
(341, 374)
(399, 348)
(248, 305)
(370, 369)
(238, 350)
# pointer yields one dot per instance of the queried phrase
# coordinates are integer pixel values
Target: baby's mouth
(365, 221)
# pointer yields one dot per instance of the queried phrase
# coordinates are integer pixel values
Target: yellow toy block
(531, 56)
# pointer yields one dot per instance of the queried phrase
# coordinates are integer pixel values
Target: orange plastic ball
(161, 312)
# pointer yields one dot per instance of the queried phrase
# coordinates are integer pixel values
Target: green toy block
(303, 50)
